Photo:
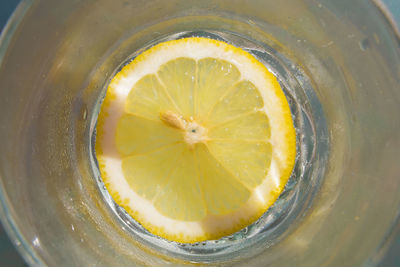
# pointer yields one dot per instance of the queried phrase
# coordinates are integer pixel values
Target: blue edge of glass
(9, 255)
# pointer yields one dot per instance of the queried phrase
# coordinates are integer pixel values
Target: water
(312, 154)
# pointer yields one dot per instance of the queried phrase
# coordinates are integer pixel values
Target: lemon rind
(285, 127)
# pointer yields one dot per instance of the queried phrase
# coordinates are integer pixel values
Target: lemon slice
(195, 139)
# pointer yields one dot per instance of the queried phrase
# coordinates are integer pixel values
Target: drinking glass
(338, 62)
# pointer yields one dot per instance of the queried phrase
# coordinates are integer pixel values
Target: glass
(341, 60)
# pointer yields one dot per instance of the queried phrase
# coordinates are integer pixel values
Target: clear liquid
(312, 154)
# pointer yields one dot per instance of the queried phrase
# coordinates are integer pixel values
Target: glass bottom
(312, 154)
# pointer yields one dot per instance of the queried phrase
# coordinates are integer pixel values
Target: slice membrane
(247, 126)
(148, 173)
(223, 192)
(242, 98)
(182, 191)
(250, 166)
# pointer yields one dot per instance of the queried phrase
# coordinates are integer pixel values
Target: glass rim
(393, 233)
(389, 17)
(23, 247)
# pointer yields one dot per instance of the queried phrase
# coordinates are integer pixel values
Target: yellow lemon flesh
(195, 139)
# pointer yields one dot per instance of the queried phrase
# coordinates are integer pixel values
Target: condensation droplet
(84, 114)
(36, 242)
(364, 44)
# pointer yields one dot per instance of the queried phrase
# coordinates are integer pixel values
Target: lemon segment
(195, 139)
(148, 98)
(178, 76)
(214, 77)
(151, 135)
